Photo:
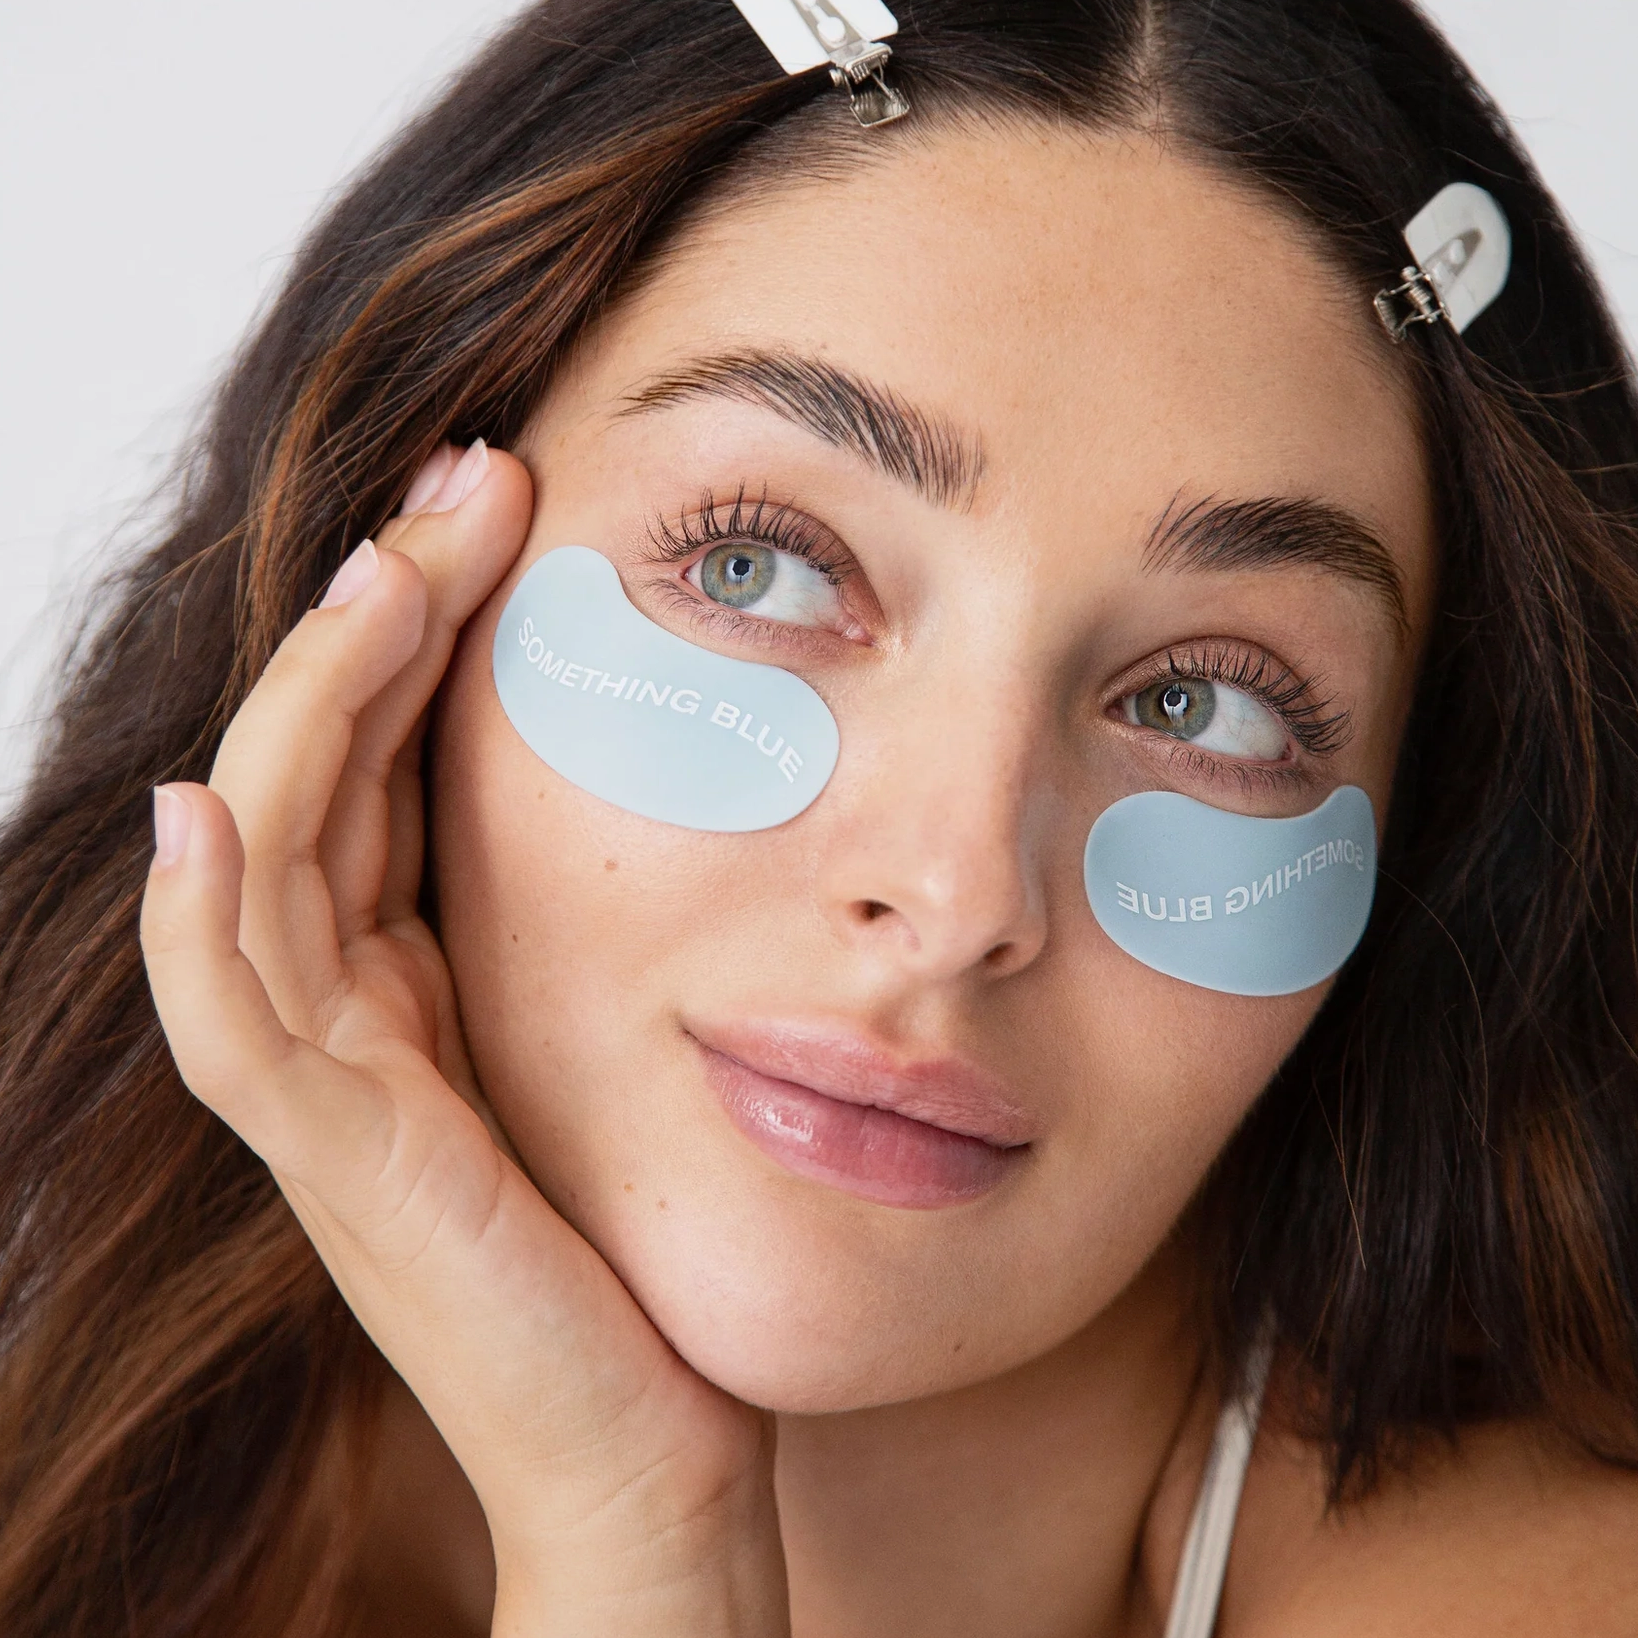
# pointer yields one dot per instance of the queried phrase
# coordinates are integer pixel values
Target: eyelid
(1254, 778)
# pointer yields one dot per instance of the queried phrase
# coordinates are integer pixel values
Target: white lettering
(1265, 889)
(790, 764)
(688, 694)
(589, 675)
(571, 675)
(606, 686)
(1200, 909)
(768, 750)
(1182, 910)
(725, 715)
(1127, 896)
(526, 631)
(744, 729)
(1235, 900)
(658, 695)
(1154, 915)
(1293, 873)
(534, 650)
(549, 667)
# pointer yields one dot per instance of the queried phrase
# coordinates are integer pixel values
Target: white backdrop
(158, 161)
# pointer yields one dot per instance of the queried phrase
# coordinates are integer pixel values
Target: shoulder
(1509, 1531)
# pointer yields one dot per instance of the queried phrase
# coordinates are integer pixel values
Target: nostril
(874, 910)
(999, 956)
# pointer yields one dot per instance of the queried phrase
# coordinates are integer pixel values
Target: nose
(935, 862)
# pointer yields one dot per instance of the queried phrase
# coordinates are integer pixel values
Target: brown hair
(1436, 1198)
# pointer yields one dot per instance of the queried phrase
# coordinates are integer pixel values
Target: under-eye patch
(646, 720)
(1229, 902)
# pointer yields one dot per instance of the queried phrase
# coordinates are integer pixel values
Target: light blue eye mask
(642, 718)
(1232, 903)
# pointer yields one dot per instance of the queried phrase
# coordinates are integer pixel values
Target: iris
(1184, 709)
(738, 575)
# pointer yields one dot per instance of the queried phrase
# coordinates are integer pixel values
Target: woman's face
(868, 1106)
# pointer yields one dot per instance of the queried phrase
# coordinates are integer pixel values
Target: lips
(828, 1105)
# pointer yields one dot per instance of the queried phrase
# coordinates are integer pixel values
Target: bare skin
(989, 1416)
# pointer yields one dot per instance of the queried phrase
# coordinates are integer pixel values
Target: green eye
(1211, 716)
(769, 582)
(738, 575)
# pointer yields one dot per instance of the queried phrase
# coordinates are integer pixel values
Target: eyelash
(1309, 719)
(781, 527)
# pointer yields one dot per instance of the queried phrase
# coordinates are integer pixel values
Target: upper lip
(941, 1091)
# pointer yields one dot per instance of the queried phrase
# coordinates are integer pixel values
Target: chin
(805, 1301)
(802, 1360)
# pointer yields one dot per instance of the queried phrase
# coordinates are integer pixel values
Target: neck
(1021, 1505)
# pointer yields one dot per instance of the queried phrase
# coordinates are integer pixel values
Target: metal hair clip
(1463, 249)
(846, 34)
(1418, 294)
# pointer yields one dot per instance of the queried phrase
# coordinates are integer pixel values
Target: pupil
(742, 568)
(1175, 702)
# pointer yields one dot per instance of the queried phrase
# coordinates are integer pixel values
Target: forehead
(1115, 322)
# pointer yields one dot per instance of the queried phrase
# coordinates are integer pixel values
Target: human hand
(307, 1004)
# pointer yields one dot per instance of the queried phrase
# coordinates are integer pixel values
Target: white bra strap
(1200, 1574)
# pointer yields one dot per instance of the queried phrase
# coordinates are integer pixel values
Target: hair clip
(1463, 249)
(846, 34)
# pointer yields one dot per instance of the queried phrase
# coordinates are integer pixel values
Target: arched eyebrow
(909, 445)
(1277, 532)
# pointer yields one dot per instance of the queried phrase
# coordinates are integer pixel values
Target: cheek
(1196, 1060)
(567, 923)
(1158, 1075)
(530, 867)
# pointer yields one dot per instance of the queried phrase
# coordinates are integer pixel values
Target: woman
(618, 1226)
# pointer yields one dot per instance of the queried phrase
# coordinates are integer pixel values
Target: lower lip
(869, 1152)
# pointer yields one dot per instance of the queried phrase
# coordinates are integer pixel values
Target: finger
(351, 1154)
(283, 754)
(464, 538)
(292, 1103)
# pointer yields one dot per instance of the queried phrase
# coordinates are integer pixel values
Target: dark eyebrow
(909, 445)
(1277, 532)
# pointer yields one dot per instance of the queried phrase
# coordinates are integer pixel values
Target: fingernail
(428, 479)
(466, 475)
(173, 819)
(353, 576)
